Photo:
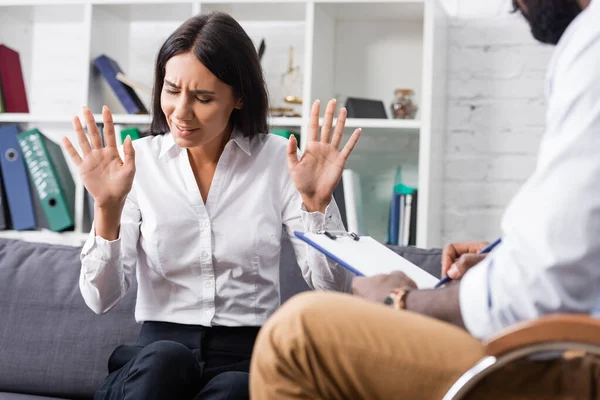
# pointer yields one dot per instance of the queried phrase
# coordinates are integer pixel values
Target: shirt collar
(242, 141)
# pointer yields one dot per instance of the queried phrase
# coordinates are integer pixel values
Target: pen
(487, 249)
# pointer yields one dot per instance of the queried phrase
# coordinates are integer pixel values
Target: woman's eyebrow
(200, 91)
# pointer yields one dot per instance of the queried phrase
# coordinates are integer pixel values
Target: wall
(495, 115)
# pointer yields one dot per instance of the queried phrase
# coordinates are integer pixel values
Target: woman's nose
(183, 111)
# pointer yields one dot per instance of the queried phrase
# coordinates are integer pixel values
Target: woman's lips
(183, 131)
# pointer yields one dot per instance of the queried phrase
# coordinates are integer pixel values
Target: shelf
(385, 124)
(124, 119)
(65, 238)
(377, 10)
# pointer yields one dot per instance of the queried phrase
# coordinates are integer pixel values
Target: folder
(133, 133)
(365, 256)
(11, 80)
(126, 95)
(51, 178)
(16, 183)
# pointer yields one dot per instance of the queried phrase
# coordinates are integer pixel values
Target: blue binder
(16, 182)
(129, 99)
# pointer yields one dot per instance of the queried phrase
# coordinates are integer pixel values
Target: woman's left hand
(318, 172)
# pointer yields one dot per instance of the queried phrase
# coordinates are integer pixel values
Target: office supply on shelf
(11, 80)
(365, 257)
(16, 182)
(126, 95)
(51, 178)
(365, 108)
(133, 84)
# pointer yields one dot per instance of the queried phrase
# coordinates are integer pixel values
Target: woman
(198, 213)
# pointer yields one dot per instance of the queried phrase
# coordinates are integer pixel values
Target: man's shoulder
(580, 44)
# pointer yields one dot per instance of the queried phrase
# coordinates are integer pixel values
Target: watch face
(388, 301)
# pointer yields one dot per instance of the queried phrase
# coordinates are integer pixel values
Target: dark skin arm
(442, 303)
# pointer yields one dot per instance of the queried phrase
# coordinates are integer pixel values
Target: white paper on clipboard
(367, 257)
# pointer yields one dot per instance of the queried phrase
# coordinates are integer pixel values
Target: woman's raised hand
(106, 176)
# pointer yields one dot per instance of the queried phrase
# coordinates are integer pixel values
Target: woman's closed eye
(204, 100)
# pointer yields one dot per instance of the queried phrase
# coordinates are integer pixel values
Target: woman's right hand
(107, 178)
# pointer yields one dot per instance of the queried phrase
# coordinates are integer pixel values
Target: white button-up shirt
(213, 263)
(549, 260)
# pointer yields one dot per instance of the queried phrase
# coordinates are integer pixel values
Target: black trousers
(181, 362)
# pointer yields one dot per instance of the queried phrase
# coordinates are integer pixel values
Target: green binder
(134, 133)
(51, 177)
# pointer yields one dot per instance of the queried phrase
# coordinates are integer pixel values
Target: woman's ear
(239, 104)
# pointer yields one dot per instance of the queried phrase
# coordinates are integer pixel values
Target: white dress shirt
(213, 263)
(549, 260)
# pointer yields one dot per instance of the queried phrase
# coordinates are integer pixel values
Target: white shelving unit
(343, 48)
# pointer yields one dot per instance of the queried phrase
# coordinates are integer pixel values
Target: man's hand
(378, 287)
(458, 258)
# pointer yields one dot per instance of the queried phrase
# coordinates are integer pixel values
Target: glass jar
(404, 106)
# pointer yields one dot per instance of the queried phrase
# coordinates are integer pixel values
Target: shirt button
(205, 256)
(208, 284)
(204, 223)
(207, 312)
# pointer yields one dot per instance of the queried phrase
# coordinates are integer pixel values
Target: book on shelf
(135, 85)
(11, 80)
(133, 132)
(402, 224)
(109, 69)
(51, 178)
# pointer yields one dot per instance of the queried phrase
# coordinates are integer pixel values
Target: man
(335, 346)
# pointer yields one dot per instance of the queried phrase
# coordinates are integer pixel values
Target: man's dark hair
(549, 19)
(222, 45)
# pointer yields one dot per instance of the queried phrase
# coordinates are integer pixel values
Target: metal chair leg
(490, 364)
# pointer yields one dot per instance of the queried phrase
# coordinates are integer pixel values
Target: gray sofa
(52, 346)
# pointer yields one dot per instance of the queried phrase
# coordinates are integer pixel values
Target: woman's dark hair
(222, 45)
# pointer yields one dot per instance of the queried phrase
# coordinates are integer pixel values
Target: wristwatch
(397, 298)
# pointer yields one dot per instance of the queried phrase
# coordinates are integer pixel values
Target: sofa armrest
(574, 328)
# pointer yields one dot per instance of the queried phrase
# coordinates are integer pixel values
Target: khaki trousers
(336, 346)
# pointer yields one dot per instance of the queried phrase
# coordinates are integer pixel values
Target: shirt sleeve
(318, 271)
(107, 267)
(548, 259)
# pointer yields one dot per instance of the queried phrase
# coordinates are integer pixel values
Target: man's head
(549, 18)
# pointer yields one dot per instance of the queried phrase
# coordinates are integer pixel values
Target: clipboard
(364, 256)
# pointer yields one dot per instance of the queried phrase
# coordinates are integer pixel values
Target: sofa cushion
(429, 260)
(51, 342)
(17, 396)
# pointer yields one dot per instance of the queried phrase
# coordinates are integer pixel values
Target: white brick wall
(495, 115)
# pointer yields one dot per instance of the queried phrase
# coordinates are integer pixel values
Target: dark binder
(4, 213)
(126, 95)
(412, 237)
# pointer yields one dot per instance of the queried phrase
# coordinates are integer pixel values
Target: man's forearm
(442, 304)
